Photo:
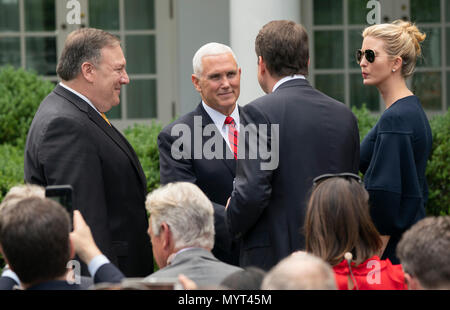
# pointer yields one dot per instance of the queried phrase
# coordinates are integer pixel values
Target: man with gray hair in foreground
(424, 252)
(300, 271)
(181, 229)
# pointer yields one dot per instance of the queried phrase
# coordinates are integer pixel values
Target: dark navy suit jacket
(316, 134)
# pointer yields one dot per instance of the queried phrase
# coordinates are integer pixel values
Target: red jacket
(373, 274)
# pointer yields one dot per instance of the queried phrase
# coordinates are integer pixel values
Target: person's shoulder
(186, 119)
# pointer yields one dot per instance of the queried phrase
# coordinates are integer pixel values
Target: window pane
(10, 51)
(9, 15)
(327, 12)
(329, 49)
(357, 12)
(355, 43)
(428, 87)
(141, 99)
(448, 46)
(332, 85)
(447, 4)
(425, 11)
(41, 55)
(139, 14)
(140, 51)
(431, 48)
(361, 94)
(40, 15)
(448, 92)
(104, 14)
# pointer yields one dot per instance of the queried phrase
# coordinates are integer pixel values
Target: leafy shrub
(11, 168)
(21, 92)
(438, 168)
(365, 120)
(143, 138)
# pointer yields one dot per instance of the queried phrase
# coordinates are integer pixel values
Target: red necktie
(232, 134)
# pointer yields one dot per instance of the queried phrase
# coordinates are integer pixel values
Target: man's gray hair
(186, 210)
(209, 49)
(300, 271)
(424, 252)
(20, 192)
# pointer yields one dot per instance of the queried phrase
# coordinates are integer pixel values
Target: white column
(246, 19)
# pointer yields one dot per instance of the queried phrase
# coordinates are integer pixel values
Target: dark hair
(84, 44)
(338, 221)
(424, 252)
(248, 279)
(34, 236)
(283, 46)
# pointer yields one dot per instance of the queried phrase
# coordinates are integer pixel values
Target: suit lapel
(111, 131)
(206, 120)
(120, 140)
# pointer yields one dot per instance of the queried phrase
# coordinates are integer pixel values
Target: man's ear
(72, 249)
(87, 70)
(412, 282)
(261, 65)
(196, 82)
(166, 234)
(5, 258)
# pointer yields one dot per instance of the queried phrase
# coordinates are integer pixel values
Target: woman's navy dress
(394, 156)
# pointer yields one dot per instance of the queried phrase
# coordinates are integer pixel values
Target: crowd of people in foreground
(343, 247)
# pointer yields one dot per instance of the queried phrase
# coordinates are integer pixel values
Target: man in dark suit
(211, 166)
(72, 142)
(35, 242)
(304, 134)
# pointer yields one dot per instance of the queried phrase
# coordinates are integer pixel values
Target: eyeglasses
(369, 54)
(345, 175)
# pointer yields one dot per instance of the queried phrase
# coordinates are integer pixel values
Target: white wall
(246, 19)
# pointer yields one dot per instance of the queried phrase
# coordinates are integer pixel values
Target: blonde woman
(395, 152)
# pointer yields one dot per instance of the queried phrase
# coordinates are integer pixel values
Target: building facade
(160, 37)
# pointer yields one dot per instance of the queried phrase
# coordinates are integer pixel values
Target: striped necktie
(232, 135)
(105, 118)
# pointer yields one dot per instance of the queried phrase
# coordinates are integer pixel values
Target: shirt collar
(80, 95)
(288, 78)
(219, 118)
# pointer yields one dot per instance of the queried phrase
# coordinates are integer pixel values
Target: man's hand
(228, 203)
(82, 239)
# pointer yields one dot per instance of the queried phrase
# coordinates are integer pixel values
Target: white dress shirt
(288, 78)
(219, 120)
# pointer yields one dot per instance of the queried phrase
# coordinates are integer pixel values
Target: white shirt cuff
(96, 263)
(11, 274)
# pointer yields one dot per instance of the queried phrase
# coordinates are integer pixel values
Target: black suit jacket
(213, 176)
(316, 135)
(69, 143)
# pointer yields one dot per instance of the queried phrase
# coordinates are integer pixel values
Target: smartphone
(62, 194)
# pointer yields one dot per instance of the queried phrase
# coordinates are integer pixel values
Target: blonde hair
(400, 38)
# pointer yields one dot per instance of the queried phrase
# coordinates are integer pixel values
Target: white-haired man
(181, 229)
(300, 271)
(212, 168)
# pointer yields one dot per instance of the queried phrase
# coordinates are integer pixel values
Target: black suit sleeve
(68, 156)
(253, 187)
(108, 273)
(170, 168)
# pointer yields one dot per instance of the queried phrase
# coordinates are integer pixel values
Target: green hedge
(438, 168)
(21, 92)
(144, 141)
